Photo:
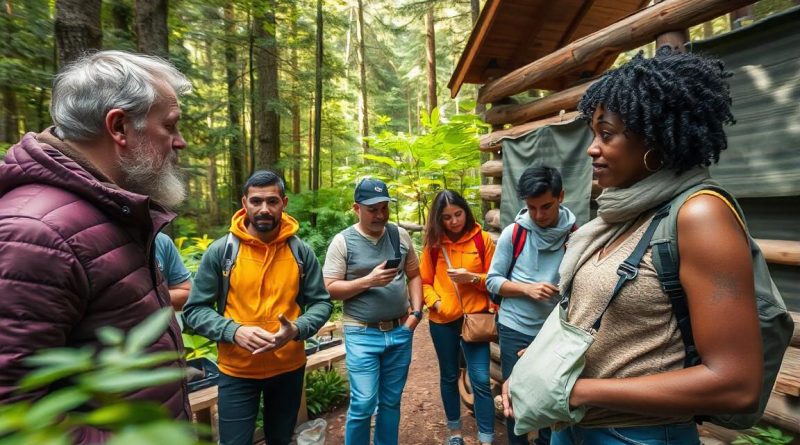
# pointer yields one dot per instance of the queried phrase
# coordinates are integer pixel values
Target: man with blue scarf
(524, 270)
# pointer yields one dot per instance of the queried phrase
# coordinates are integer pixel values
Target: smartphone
(393, 263)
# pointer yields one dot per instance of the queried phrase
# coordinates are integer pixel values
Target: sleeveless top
(638, 335)
(376, 303)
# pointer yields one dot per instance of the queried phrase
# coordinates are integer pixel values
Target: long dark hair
(434, 230)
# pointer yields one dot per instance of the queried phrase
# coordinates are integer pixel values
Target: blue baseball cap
(371, 191)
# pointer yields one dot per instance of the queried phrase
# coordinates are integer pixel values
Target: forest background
(324, 91)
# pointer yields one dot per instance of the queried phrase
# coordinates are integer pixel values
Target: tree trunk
(363, 110)
(151, 27)
(77, 28)
(213, 194)
(295, 106)
(310, 144)
(235, 146)
(430, 40)
(121, 18)
(9, 125)
(266, 58)
(318, 108)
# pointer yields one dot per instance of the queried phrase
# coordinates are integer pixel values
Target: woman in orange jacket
(455, 259)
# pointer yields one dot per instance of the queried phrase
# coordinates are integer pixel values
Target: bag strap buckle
(627, 270)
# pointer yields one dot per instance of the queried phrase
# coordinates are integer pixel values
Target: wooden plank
(519, 113)
(411, 227)
(788, 382)
(203, 399)
(494, 352)
(491, 141)
(783, 411)
(629, 33)
(780, 251)
(325, 358)
(476, 39)
(796, 337)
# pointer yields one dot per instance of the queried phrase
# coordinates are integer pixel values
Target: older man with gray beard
(87, 197)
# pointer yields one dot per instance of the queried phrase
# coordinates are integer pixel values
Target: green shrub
(764, 436)
(324, 390)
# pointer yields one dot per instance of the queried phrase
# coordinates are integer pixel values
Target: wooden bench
(321, 360)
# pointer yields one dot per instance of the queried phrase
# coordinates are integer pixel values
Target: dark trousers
(238, 407)
(511, 342)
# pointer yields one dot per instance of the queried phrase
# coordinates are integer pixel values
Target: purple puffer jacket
(75, 255)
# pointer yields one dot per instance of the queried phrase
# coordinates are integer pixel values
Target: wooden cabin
(520, 47)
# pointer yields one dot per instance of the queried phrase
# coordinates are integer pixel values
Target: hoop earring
(647, 167)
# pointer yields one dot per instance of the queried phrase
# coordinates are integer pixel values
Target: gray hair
(88, 88)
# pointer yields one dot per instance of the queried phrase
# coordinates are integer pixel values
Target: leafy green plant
(197, 346)
(191, 253)
(98, 381)
(764, 436)
(324, 390)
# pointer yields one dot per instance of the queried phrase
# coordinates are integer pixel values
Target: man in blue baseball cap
(372, 267)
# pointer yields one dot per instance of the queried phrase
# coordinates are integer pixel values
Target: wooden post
(674, 39)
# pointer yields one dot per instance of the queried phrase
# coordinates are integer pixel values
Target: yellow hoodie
(436, 285)
(264, 283)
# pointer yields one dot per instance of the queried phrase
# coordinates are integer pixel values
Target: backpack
(776, 323)
(230, 251)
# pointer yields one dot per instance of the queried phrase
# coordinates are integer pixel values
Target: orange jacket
(436, 285)
(263, 284)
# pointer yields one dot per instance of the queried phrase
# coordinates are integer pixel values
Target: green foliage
(764, 436)
(324, 390)
(192, 249)
(197, 346)
(98, 380)
(418, 166)
(333, 215)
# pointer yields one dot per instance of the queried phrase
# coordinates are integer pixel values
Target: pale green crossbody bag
(543, 378)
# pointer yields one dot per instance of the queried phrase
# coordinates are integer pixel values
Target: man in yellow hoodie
(259, 293)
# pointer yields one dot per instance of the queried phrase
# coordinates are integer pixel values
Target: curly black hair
(678, 102)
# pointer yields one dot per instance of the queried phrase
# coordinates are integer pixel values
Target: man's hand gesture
(380, 277)
(288, 331)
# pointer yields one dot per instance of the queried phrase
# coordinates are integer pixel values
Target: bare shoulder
(707, 214)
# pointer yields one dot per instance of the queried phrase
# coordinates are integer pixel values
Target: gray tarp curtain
(763, 155)
(559, 145)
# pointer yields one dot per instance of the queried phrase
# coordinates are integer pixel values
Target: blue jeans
(511, 342)
(448, 344)
(675, 434)
(377, 366)
(238, 407)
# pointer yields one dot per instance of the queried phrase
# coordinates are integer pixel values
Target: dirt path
(422, 419)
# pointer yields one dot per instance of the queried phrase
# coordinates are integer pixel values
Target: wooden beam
(491, 192)
(492, 168)
(519, 113)
(492, 219)
(569, 33)
(780, 251)
(784, 412)
(473, 45)
(629, 33)
(411, 227)
(491, 141)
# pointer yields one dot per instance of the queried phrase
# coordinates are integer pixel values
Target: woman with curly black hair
(658, 124)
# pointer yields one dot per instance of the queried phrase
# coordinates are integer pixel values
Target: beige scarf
(618, 209)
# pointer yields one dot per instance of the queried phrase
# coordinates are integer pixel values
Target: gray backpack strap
(775, 322)
(394, 237)
(298, 250)
(230, 251)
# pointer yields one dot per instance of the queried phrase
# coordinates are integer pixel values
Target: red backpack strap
(518, 237)
(478, 240)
